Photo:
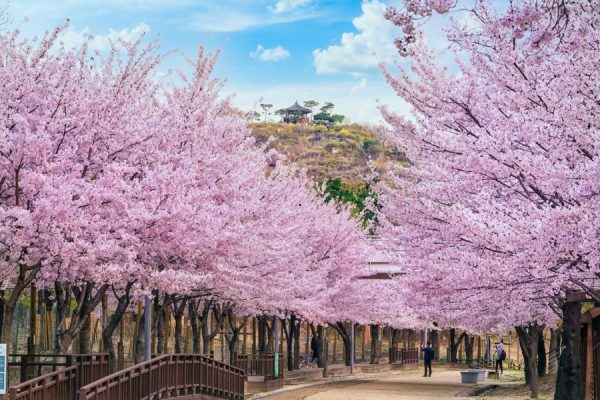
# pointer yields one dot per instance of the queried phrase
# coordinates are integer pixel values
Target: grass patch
(514, 386)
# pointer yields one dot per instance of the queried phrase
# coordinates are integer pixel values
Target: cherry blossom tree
(499, 215)
(63, 211)
(118, 182)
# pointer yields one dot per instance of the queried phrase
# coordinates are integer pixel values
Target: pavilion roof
(298, 108)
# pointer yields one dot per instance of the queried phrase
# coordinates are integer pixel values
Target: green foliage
(362, 200)
(586, 306)
(266, 108)
(311, 104)
(326, 116)
(372, 147)
(337, 118)
(327, 107)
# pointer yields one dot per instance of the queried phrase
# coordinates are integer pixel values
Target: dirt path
(443, 385)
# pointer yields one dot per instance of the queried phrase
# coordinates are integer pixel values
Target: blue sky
(274, 51)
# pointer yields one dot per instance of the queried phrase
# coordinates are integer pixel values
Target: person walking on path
(314, 346)
(500, 356)
(427, 358)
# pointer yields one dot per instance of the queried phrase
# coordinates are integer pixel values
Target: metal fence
(169, 375)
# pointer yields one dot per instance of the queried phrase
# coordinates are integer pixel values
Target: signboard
(3, 368)
(276, 372)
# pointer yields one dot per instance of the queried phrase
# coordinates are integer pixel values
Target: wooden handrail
(408, 355)
(66, 378)
(260, 365)
(57, 385)
(169, 375)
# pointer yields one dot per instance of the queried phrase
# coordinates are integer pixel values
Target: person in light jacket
(500, 355)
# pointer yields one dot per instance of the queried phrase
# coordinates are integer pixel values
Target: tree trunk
(178, 311)
(469, 344)
(288, 331)
(112, 324)
(394, 338)
(528, 340)
(375, 338)
(233, 336)
(245, 337)
(63, 298)
(85, 344)
(453, 347)
(232, 343)
(46, 343)
(193, 316)
(320, 335)
(569, 382)
(79, 325)
(160, 310)
(254, 335)
(454, 344)
(25, 277)
(435, 343)
(217, 312)
(340, 328)
(297, 344)
(554, 352)
(542, 361)
(206, 328)
(139, 338)
(363, 331)
(334, 348)
(262, 334)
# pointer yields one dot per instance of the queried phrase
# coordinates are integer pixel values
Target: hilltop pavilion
(296, 114)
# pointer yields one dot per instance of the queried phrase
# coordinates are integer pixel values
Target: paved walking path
(443, 385)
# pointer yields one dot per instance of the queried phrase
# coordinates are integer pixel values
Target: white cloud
(360, 86)
(72, 38)
(274, 54)
(365, 49)
(288, 5)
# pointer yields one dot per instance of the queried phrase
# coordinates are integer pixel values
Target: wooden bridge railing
(31, 366)
(260, 365)
(70, 372)
(404, 356)
(169, 375)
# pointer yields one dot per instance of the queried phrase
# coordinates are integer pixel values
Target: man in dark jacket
(427, 357)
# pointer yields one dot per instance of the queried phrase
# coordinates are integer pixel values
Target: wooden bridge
(189, 376)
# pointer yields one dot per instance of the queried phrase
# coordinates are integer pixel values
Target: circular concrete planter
(469, 376)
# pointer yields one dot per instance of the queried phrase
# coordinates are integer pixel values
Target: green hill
(340, 151)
